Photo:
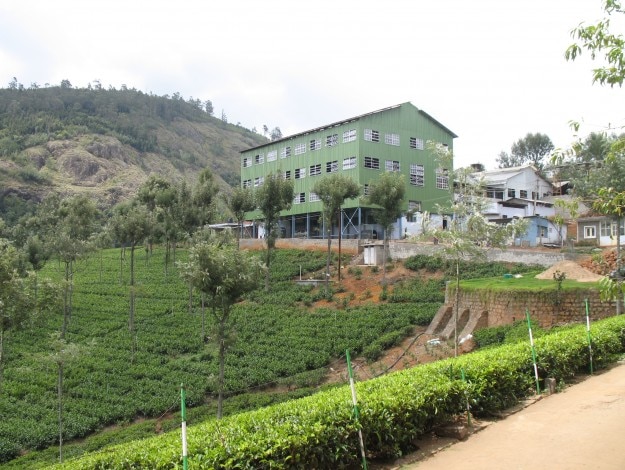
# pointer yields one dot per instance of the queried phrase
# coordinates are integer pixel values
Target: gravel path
(582, 427)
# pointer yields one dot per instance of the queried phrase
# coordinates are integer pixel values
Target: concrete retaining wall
(400, 249)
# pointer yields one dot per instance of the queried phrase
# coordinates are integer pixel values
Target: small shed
(374, 254)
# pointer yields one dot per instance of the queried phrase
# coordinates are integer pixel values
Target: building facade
(362, 147)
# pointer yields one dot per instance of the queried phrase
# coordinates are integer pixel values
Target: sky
(489, 70)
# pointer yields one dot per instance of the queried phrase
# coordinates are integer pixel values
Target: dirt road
(582, 427)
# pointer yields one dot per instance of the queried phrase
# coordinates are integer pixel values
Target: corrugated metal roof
(345, 121)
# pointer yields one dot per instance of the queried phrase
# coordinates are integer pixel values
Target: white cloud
(489, 70)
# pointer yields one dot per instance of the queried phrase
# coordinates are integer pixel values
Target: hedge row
(319, 431)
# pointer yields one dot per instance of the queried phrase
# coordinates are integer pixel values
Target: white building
(516, 192)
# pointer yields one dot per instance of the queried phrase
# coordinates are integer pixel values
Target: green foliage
(468, 269)
(319, 431)
(506, 334)
(418, 290)
(278, 342)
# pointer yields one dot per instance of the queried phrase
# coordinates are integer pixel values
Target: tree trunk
(456, 309)
(190, 298)
(59, 392)
(1, 355)
(619, 282)
(340, 225)
(121, 265)
(131, 318)
(329, 257)
(267, 262)
(203, 317)
(65, 302)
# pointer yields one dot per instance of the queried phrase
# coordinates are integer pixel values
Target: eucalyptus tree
(239, 202)
(131, 225)
(333, 191)
(204, 197)
(387, 193)
(160, 197)
(68, 232)
(533, 148)
(469, 232)
(224, 273)
(273, 197)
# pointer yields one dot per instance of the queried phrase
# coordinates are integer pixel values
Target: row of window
(417, 172)
(523, 194)
(606, 228)
(331, 140)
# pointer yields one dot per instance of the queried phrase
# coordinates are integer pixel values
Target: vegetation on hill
(106, 142)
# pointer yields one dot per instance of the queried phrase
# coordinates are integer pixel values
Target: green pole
(183, 417)
(356, 413)
(529, 328)
(588, 332)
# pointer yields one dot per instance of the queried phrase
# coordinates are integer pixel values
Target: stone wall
(547, 308)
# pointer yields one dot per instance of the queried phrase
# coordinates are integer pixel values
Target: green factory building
(362, 147)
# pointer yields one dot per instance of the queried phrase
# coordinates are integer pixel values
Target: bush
(319, 431)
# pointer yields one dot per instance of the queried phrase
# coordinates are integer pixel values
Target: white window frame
(285, 152)
(417, 143)
(315, 144)
(259, 181)
(313, 197)
(287, 174)
(417, 175)
(332, 140)
(365, 190)
(391, 165)
(247, 162)
(300, 148)
(315, 170)
(371, 135)
(272, 156)
(332, 167)
(300, 173)
(373, 163)
(349, 163)
(299, 198)
(590, 231)
(349, 135)
(259, 159)
(247, 183)
(391, 139)
(442, 178)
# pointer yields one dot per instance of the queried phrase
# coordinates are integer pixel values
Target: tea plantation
(279, 341)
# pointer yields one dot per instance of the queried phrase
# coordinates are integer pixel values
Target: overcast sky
(490, 70)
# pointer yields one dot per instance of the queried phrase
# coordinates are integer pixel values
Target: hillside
(105, 143)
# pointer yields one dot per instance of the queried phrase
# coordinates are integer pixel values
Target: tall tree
(224, 273)
(533, 148)
(240, 201)
(68, 234)
(276, 133)
(388, 194)
(131, 225)
(333, 191)
(273, 197)
(505, 160)
(204, 197)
